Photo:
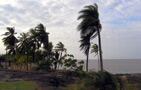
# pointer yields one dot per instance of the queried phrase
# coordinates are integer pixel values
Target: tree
(90, 27)
(85, 46)
(38, 37)
(60, 48)
(10, 42)
(42, 35)
(23, 43)
(33, 43)
(23, 47)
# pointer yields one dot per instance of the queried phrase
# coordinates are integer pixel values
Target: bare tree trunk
(100, 51)
(87, 62)
(59, 60)
(98, 62)
(27, 63)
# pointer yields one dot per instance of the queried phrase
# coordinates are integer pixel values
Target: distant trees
(89, 28)
(33, 48)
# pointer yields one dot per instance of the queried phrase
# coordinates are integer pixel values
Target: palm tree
(33, 43)
(60, 48)
(95, 50)
(90, 27)
(23, 45)
(10, 42)
(42, 35)
(85, 46)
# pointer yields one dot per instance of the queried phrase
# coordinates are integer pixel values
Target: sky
(120, 19)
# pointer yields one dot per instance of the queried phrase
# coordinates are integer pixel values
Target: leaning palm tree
(10, 42)
(90, 26)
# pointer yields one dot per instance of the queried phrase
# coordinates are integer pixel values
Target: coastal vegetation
(33, 49)
(89, 28)
(31, 56)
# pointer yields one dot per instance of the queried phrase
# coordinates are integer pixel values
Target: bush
(44, 65)
(96, 81)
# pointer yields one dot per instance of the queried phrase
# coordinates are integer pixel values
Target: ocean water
(118, 65)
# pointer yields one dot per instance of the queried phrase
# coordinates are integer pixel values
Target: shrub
(96, 81)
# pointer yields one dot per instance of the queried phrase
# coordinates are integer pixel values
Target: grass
(133, 87)
(18, 85)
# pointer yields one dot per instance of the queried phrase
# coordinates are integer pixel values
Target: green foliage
(34, 47)
(45, 65)
(10, 58)
(22, 59)
(89, 28)
(10, 40)
(94, 49)
(96, 81)
(101, 81)
(18, 85)
(70, 63)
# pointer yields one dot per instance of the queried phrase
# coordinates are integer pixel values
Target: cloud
(118, 17)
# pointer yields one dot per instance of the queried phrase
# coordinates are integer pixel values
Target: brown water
(118, 65)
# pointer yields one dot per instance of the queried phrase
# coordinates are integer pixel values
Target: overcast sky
(120, 19)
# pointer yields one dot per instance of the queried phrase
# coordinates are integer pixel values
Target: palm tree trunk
(27, 62)
(87, 62)
(100, 51)
(98, 62)
(33, 56)
(6, 60)
(58, 63)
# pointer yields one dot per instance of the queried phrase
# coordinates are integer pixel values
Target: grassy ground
(47, 81)
(18, 85)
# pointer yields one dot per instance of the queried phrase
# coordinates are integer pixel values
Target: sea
(117, 66)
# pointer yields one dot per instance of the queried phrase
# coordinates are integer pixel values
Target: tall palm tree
(33, 43)
(90, 27)
(23, 46)
(10, 42)
(43, 39)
